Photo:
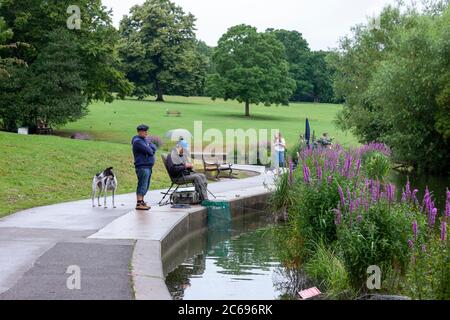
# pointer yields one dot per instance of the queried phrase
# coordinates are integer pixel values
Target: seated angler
(181, 170)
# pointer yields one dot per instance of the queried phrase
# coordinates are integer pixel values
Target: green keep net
(219, 215)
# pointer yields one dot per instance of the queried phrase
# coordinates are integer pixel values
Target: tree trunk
(159, 96)
(247, 108)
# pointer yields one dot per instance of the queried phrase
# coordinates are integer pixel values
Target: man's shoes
(142, 206)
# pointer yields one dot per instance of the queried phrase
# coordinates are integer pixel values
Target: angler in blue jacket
(144, 159)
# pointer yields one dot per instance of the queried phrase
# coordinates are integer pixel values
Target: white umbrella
(175, 134)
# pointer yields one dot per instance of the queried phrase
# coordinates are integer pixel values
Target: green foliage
(35, 23)
(340, 223)
(329, 270)
(54, 92)
(309, 69)
(378, 237)
(395, 83)
(5, 58)
(312, 215)
(159, 52)
(251, 68)
(377, 166)
(428, 275)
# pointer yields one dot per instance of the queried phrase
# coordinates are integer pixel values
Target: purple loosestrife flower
(424, 248)
(358, 167)
(375, 191)
(330, 179)
(426, 205)
(415, 229)
(306, 173)
(319, 172)
(408, 190)
(349, 195)
(414, 196)
(338, 215)
(432, 217)
(366, 204)
(390, 192)
(411, 244)
(447, 205)
(444, 231)
(341, 195)
(403, 197)
(347, 165)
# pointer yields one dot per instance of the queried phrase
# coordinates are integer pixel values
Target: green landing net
(219, 214)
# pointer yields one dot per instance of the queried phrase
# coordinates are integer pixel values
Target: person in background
(280, 149)
(325, 141)
(144, 159)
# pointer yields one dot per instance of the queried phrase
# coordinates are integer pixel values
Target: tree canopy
(159, 50)
(36, 24)
(251, 68)
(395, 81)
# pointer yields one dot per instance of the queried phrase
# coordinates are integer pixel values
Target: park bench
(213, 165)
(43, 128)
(173, 113)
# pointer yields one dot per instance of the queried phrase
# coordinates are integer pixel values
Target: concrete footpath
(117, 251)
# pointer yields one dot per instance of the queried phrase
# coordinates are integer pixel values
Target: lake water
(436, 184)
(239, 264)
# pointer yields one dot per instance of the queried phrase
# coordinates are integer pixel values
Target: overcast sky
(322, 22)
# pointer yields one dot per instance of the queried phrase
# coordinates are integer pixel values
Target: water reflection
(436, 184)
(236, 263)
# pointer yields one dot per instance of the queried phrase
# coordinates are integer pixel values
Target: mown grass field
(116, 122)
(42, 170)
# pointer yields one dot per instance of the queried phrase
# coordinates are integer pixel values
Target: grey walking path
(38, 245)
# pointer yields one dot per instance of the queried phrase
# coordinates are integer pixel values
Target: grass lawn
(117, 121)
(42, 170)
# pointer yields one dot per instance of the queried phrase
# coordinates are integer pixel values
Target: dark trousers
(200, 182)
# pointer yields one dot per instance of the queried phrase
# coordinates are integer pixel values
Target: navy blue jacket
(144, 152)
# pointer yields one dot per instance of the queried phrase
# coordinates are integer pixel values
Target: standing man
(144, 159)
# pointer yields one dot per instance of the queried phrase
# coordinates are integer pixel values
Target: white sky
(322, 22)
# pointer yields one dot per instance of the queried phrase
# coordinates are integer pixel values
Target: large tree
(34, 23)
(395, 83)
(31, 21)
(321, 75)
(159, 51)
(251, 68)
(298, 56)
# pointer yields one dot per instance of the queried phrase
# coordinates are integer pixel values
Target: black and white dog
(103, 182)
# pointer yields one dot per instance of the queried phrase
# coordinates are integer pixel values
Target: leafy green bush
(327, 268)
(428, 276)
(378, 237)
(377, 166)
(312, 212)
(283, 196)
